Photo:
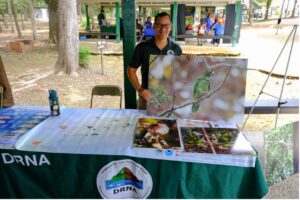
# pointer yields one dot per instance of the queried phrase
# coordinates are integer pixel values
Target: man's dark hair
(162, 14)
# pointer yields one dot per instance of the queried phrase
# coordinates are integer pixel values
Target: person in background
(148, 22)
(218, 31)
(160, 44)
(201, 29)
(139, 25)
(209, 22)
(148, 32)
(101, 18)
(140, 28)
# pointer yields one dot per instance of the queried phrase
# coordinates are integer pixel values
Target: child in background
(218, 31)
(201, 29)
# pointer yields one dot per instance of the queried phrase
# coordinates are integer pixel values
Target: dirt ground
(31, 73)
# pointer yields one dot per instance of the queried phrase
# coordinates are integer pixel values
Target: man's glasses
(160, 26)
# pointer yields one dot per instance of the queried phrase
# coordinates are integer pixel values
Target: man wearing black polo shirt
(158, 45)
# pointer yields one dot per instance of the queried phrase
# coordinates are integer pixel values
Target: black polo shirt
(142, 54)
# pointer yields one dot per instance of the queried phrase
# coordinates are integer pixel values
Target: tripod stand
(280, 102)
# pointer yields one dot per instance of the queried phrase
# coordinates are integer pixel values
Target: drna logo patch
(124, 179)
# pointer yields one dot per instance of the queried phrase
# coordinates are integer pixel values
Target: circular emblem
(170, 52)
(124, 179)
(169, 152)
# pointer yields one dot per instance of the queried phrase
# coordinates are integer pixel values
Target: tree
(20, 7)
(268, 4)
(3, 10)
(250, 12)
(68, 44)
(294, 8)
(10, 17)
(12, 5)
(34, 32)
(53, 21)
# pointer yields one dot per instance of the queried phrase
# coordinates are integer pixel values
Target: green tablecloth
(51, 175)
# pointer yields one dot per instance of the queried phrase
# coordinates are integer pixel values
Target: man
(101, 18)
(160, 44)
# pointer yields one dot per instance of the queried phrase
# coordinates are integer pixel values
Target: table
(187, 36)
(28, 172)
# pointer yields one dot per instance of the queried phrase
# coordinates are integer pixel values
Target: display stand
(280, 102)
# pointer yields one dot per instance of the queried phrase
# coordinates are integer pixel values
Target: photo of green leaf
(209, 140)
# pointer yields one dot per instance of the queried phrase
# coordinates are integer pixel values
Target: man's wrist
(140, 90)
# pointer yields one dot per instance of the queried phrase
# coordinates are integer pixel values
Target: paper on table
(109, 132)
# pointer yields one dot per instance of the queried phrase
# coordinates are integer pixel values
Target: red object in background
(189, 28)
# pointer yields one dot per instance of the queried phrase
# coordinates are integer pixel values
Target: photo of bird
(201, 87)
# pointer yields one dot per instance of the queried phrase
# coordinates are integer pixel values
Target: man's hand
(145, 93)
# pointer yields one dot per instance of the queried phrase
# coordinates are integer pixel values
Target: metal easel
(280, 102)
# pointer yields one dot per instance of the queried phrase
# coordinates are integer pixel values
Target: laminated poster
(205, 88)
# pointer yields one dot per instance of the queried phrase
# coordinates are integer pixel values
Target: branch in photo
(169, 111)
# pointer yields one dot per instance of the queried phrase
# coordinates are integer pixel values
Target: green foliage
(277, 11)
(160, 95)
(3, 6)
(40, 2)
(21, 4)
(225, 137)
(279, 154)
(83, 22)
(84, 56)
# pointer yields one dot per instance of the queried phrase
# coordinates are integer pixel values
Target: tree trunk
(68, 45)
(294, 9)
(10, 17)
(4, 21)
(91, 15)
(0, 28)
(53, 21)
(250, 12)
(22, 18)
(16, 19)
(34, 32)
(268, 4)
(287, 9)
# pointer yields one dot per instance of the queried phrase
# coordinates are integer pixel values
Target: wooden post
(88, 24)
(236, 22)
(118, 28)
(129, 40)
(174, 19)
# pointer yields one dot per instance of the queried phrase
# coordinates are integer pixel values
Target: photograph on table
(209, 140)
(16, 121)
(204, 88)
(156, 133)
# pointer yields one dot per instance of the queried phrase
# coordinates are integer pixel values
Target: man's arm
(131, 73)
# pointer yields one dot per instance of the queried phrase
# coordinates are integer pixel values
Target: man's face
(162, 27)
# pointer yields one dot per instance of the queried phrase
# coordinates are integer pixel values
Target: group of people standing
(210, 26)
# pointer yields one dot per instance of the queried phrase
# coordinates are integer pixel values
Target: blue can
(53, 101)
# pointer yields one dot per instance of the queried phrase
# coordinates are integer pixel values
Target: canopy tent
(162, 3)
(129, 31)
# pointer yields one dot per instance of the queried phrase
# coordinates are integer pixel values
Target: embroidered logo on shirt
(170, 52)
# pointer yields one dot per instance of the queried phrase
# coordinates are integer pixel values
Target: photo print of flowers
(204, 88)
